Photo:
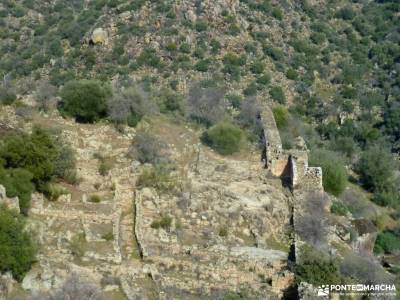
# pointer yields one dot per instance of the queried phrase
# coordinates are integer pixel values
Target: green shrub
(158, 177)
(54, 191)
(223, 231)
(277, 13)
(275, 53)
(128, 106)
(201, 26)
(277, 94)
(94, 199)
(149, 58)
(86, 100)
(18, 183)
(334, 175)
(104, 167)
(316, 268)
(281, 116)
(165, 222)
(257, 67)
(346, 13)
(35, 153)
(376, 168)
(171, 102)
(224, 137)
(17, 251)
(391, 198)
(264, 79)
(338, 208)
(387, 242)
(202, 65)
(251, 89)
(109, 236)
(291, 74)
(7, 96)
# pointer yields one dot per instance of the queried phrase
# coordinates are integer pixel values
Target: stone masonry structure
(290, 165)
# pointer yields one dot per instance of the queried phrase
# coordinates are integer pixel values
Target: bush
(292, 74)
(206, 105)
(7, 96)
(129, 106)
(251, 89)
(224, 137)
(104, 167)
(257, 67)
(387, 242)
(36, 158)
(158, 177)
(346, 13)
(35, 153)
(86, 100)
(65, 162)
(281, 116)
(338, 208)
(201, 26)
(74, 287)
(149, 58)
(316, 268)
(44, 95)
(165, 222)
(249, 116)
(277, 94)
(277, 13)
(171, 102)
(54, 192)
(147, 148)
(334, 176)
(391, 199)
(94, 199)
(17, 251)
(312, 224)
(18, 183)
(376, 168)
(364, 269)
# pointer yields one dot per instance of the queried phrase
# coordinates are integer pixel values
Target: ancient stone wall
(291, 165)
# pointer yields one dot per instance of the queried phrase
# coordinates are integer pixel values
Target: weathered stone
(99, 36)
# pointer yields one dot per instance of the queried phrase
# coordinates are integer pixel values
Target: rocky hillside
(228, 149)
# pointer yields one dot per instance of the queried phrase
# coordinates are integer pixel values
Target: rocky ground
(229, 226)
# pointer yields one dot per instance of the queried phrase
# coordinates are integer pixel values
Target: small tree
(334, 174)
(281, 116)
(376, 168)
(249, 115)
(44, 95)
(277, 94)
(224, 137)
(316, 267)
(311, 225)
(147, 148)
(206, 105)
(17, 252)
(86, 100)
(129, 106)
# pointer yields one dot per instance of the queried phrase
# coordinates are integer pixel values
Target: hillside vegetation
(329, 69)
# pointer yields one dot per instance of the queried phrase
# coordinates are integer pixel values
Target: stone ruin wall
(288, 164)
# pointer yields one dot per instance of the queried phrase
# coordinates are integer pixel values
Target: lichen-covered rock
(99, 36)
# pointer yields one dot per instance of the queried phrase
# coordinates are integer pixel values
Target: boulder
(99, 36)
